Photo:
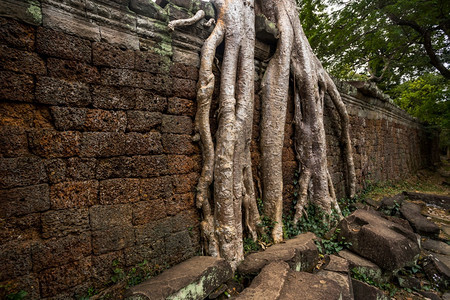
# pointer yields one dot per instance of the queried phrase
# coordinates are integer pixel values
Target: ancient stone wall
(97, 164)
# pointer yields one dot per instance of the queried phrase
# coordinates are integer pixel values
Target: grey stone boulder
(300, 253)
(436, 246)
(194, 278)
(364, 291)
(439, 200)
(363, 266)
(437, 271)
(390, 205)
(337, 269)
(278, 281)
(387, 244)
(421, 224)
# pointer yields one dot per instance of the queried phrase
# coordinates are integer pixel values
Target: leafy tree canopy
(387, 41)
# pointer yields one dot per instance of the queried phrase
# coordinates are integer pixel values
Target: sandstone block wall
(97, 163)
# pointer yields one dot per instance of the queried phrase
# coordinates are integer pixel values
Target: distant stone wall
(97, 164)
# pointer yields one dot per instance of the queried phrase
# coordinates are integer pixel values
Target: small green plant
(389, 287)
(17, 296)
(250, 245)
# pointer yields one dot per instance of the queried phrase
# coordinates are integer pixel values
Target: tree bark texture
(225, 191)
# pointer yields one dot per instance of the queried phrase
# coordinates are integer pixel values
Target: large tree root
(231, 209)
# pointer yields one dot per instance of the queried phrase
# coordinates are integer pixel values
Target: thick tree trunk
(231, 210)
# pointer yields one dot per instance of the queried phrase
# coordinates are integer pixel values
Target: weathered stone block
(21, 61)
(146, 100)
(148, 9)
(109, 97)
(60, 251)
(185, 183)
(420, 223)
(182, 164)
(143, 121)
(22, 228)
(179, 144)
(145, 252)
(52, 144)
(55, 280)
(387, 244)
(16, 259)
(103, 144)
(362, 290)
(28, 12)
(72, 70)
(112, 239)
(107, 55)
(157, 187)
(151, 62)
(196, 279)
(184, 88)
(24, 200)
(59, 223)
(74, 194)
(69, 118)
(300, 253)
(16, 34)
(120, 190)
(179, 246)
(160, 83)
(21, 171)
(151, 232)
(149, 166)
(121, 77)
(110, 216)
(57, 44)
(60, 20)
(13, 141)
(122, 166)
(176, 124)
(60, 92)
(148, 211)
(16, 87)
(143, 144)
(362, 266)
(179, 202)
(179, 106)
(184, 71)
(185, 220)
(103, 266)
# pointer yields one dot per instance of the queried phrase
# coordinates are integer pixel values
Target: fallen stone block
(278, 281)
(437, 271)
(443, 201)
(300, 253)
(421, 224)
(364, 291)
(337, 269)
(436, 246)
(390, 205)
(388, 245)
(362, 266)
(193, 279)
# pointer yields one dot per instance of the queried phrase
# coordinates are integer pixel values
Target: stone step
(300, 253)
(194, 278)
(277, 280)
(362, 266)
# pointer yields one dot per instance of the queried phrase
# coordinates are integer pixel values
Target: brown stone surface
(52, 144)
(21, 171)
(62, 92)
(107, 55)
(16, 87)
(112, 239)
(57, 44)
(143, 121)
(73, 194)
(13, 141)
(60, 223)
(121, 190)
(24, 200)
(110, 216)
(21, 61)
(362, 290)
(210, 271)
(72, 70)
(421, 224)
(16, 34)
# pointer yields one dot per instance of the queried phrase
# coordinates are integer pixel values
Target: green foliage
(135, 275)
(390, 287)
(365, 36)
(17, 296)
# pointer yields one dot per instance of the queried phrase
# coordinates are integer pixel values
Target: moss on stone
(35, 11)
